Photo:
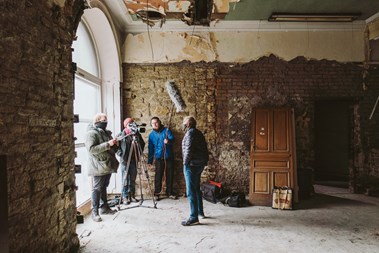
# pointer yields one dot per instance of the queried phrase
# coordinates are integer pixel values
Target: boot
(133, 198)
(107, 210)
(95, 215)
(126, 201)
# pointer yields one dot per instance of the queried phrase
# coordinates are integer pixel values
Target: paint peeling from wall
(168, 47)
(243, 47)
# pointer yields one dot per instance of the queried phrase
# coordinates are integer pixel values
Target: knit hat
(127, 121)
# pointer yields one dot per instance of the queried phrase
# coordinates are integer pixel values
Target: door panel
(260, 133)
(261, 179)
(271, 153)
(280, 137)
(281, 178)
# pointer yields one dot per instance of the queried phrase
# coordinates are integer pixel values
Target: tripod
(141, 166)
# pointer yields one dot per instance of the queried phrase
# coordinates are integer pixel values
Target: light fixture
(313, 17)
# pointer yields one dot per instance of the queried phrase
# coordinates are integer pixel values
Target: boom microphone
(175, 96)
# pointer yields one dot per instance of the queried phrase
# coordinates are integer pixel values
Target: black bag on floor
(236, 199)
(211, 192)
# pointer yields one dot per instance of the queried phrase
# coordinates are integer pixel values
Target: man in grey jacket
(101, 163)
(195, 158)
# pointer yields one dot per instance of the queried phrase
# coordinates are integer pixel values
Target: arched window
(97, 82)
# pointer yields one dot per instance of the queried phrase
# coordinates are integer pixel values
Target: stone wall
(221, 97)
(36, 88)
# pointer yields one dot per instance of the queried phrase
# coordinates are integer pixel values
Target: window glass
(87, 103)
(87, 99)
(84, 51)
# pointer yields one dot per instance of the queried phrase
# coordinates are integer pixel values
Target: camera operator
(126, 145)
(160, 146)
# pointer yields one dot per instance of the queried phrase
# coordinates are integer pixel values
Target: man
(195, 158)
(101, 163)
(160, 146)
(128, 151)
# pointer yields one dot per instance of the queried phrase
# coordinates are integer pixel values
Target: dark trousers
(160, 165)
(99, 190)
(129, 179)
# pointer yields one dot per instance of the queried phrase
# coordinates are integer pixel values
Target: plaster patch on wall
(168, 47)
(247, 46)
(199, 48)
(222, 5)
(141, 39)
(244, 47)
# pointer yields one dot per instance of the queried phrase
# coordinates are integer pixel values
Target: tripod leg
(143, 166)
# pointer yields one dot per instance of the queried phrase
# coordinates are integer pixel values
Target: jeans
(192, 176)
(160, 165)
(99, 191)
(129, 180)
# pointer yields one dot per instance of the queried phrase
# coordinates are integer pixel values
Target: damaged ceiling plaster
(192, 12)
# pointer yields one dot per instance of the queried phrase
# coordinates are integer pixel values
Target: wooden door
(272, 162)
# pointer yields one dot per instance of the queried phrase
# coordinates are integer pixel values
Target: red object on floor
(215, 183)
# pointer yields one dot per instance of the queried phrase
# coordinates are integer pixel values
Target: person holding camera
(102, 163)
(195, 158)
(128, 153)
(160, 149)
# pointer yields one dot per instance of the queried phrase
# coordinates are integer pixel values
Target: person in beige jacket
(102, 163)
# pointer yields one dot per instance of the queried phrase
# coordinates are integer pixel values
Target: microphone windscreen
(175, 96)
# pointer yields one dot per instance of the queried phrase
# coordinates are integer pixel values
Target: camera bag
(211, 191)
(236, 199)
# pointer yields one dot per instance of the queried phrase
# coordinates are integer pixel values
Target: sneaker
(157, 197)
(107, 210)
(190, 222)
(95, 216)
(201, 216)
(172, 197)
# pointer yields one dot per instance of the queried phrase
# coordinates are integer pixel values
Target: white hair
(98, 116)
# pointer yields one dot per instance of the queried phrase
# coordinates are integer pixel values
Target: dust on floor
(327, 222)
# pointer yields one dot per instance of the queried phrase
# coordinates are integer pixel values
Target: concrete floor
(333, 220)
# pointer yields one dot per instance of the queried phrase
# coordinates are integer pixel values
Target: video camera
(134, 127)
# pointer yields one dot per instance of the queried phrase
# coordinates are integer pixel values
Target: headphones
(159, 121)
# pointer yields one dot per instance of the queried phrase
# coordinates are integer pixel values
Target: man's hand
(112, 142)
(165, 141)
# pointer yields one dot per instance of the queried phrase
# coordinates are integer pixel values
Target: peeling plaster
(168, 47)
(222, 6)
(242, 47)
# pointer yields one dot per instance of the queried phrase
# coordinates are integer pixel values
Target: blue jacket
(156, 144)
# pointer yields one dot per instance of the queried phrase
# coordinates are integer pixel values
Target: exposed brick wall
(145, 96)
(36, 126)
(222, 96)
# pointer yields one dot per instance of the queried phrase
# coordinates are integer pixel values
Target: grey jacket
(194, 148)
(125, 146)
(101, 156)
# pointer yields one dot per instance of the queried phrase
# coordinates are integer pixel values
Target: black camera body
(135, 128)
